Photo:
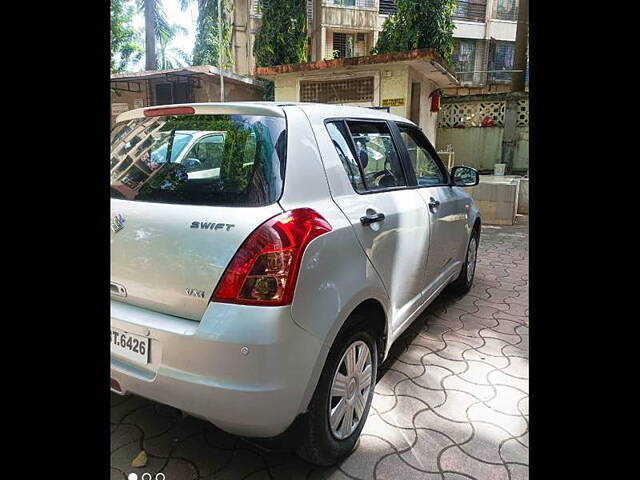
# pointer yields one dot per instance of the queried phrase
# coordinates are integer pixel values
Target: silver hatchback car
(261, 272)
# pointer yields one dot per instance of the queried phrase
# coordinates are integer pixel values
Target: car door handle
(369, 219)
(433, 203)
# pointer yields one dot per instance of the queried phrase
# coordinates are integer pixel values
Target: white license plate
(130, 346)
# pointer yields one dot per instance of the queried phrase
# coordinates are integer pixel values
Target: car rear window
(235, 160)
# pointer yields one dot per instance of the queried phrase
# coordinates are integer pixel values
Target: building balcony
(350, 14)
(366, 4)
(470, 11)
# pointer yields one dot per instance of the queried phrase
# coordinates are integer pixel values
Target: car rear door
(447, 214)
(388, 216)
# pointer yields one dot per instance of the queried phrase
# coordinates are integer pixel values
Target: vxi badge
(192, 292)
(117, 223)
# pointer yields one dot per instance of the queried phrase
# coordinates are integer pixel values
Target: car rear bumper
(204, 369)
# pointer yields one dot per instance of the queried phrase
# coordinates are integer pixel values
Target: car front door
(447, 212)
(388, 216)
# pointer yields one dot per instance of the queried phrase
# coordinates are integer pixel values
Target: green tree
(155, 24)
(419, 24)
(282, 36)
(125, 39)
(206, 49)
(168, 56)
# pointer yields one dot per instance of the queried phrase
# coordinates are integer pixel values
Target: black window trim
(430, 149)
(409, 179)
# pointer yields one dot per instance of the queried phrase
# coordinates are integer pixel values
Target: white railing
(351, 3)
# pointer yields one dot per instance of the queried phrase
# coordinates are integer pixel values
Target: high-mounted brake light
(159, 112)
(264, 269)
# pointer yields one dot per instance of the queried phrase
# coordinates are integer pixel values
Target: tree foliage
(125, 39)
(206, 50)
(168, 56)
(282, 36)
(418, 24)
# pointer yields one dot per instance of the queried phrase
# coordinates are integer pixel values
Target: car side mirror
(464, 176)
(191, 162)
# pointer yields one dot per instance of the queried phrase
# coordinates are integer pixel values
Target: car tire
(463, 283)
(325, 444)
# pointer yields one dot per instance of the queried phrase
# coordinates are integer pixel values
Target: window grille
(343, 44)
(464, 59)
(506, 10)
(350, 3)
(387, 7)
(350, 90)
(501, 58)
(470, 11)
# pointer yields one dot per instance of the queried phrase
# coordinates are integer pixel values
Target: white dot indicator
(132, 476)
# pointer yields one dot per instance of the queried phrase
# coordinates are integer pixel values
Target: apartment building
(484, 45)
(485, 32)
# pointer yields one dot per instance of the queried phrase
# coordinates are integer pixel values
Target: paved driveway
(451, 401)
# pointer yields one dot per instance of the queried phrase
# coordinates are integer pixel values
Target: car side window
(340, 138)
(207, 153)
(427, 170)
(377, 155)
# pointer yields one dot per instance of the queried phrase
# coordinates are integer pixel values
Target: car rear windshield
(235, 160)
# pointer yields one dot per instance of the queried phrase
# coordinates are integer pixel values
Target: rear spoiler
(223, 108)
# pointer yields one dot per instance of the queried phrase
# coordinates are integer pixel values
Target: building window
(387, 7)
(351, 3)
(349, 90)
(470, 10)
(506, 10)
(501, 58)
(464, 59)
(348, 44)
(170, 93)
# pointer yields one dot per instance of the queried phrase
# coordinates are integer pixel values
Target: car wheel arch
(371, 305)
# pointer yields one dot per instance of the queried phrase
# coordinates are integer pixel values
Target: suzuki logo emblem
(117, 223)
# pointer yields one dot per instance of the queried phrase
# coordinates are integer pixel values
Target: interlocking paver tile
(393, 467)
(518, 472)
(454, 366)
(481, 392)
(451, 402)
(124, 434)
(518, 367)
(459, 431)
(482, 445)
(513, 424)
(421, 455)
(208, 460)
(465, 337)
(506, 400)
(363, 463)
(117, 474)
(433, 398)
(432, 377)
(513, 451)
(496, 362)
(397, 438)
(455, 406)
(454, 459)
(401, 415)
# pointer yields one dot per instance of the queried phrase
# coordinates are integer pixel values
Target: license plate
(130, 346)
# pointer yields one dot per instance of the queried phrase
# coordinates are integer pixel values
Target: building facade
(485, 33)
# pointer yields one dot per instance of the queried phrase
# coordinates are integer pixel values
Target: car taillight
(264, 269)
